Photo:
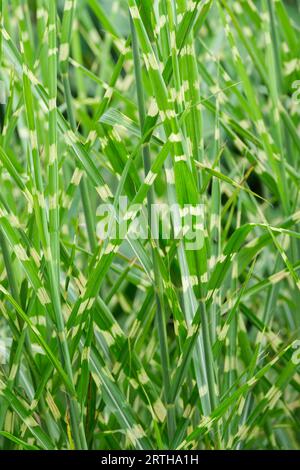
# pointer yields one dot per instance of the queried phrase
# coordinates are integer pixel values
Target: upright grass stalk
(64, 66)
(41, 220)
(160, 314)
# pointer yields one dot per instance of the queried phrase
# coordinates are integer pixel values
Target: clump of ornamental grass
(124, 341)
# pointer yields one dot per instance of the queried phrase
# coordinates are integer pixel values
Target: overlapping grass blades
(144, 343)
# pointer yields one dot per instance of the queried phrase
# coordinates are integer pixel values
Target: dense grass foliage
(153, 341)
